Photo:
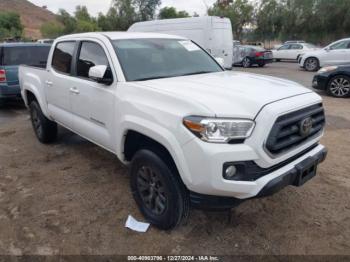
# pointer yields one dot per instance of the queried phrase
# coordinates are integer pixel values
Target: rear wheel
(158, 190)
(311, 64)
(45, 130)
(246, 63)
(339, 86)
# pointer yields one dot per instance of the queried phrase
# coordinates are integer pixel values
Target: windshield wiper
(151, 78)
(198, 73)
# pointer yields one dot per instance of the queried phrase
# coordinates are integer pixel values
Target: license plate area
(306, 170)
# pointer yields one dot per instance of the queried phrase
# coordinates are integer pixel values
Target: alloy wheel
(340, 87)
(311, 64)
(151, 189)
(246, 62)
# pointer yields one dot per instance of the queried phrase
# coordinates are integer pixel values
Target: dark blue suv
(11, 56)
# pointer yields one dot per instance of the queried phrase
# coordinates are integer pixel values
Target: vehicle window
(91, 54)
(284, 47)
(62, 57)
(296, 46)
(341, 45)
(144, 59)
(26, 55)
(310, 46)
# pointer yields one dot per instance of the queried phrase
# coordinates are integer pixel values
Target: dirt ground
(73, 198)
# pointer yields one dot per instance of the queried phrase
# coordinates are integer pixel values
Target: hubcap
(340, 86)
(151, 190)
(246, 62)
(36, 122)
(311, 64)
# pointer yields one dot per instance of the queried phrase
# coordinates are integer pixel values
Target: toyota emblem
(306, 126)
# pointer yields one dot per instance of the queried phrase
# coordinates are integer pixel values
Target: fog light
(230, 172)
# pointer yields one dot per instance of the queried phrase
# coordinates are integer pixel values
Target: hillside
(32, 16)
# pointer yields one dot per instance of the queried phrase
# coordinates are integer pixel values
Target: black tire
(44, 129)
(339, 86)
(261, 65)
(246, 63)
(311, 64)
(277, 60)
(158, 190)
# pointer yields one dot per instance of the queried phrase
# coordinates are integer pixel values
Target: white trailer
(214, 34)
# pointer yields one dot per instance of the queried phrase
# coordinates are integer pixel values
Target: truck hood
(229, 94)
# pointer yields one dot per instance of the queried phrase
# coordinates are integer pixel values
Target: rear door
(58, 82)
(294, 51)
(92, 103)
(221, 40)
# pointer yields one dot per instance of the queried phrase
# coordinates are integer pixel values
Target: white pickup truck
(193, 133)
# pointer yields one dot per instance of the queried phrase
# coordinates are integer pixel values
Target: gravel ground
(73, 198)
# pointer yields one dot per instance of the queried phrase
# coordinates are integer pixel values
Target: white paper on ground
(135, 225)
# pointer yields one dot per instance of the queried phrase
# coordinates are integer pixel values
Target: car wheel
(158, 191)
(45, 130)
(277, 60)
(339, 86)
(246, 63)
(261, 65)
(311, 64)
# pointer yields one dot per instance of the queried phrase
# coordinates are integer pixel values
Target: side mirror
(101, 74)
(220, 61)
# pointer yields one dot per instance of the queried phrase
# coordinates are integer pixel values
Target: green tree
(171, 12)
(52, 30)
(240, 12)
(146, 9)
(69, 22)
(10, 25)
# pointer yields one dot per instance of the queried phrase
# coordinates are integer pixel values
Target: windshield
(145, 59)
(28, 55)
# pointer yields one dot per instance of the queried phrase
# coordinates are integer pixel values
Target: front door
(92, 103)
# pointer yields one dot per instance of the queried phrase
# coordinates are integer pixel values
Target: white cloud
(96, 6)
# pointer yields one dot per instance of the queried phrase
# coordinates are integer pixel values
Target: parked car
(337, 53)
(11, 56)
(294, 42)
(247, 56)
(214, 34)
(192, 133)
(335, 80)
(292, 51)
(45, 41)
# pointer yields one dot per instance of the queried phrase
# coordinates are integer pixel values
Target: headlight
(219, 130)
(327, 69)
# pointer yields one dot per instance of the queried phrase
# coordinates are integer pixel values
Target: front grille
(287, 132)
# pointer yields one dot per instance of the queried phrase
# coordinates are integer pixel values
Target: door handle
(74, 90)
(48, 83)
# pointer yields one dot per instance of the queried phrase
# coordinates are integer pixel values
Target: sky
(96, 6)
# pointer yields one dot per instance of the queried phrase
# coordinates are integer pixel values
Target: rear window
(62, 57)
(26, 55)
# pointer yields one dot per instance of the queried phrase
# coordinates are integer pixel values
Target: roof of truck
(121, 35)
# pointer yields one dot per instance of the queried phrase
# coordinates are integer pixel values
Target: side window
(284, 47)
(62, 57)
(296, 46)
(91, 54)
(341, 45)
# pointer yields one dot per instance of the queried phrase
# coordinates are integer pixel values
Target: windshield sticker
(189, 46)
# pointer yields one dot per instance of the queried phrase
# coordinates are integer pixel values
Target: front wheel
(311, 64)
(246, 63)
(339, 86)
(158, 190)
(45, 130)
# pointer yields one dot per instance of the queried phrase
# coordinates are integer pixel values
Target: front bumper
(320, 82)
(299, 174)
